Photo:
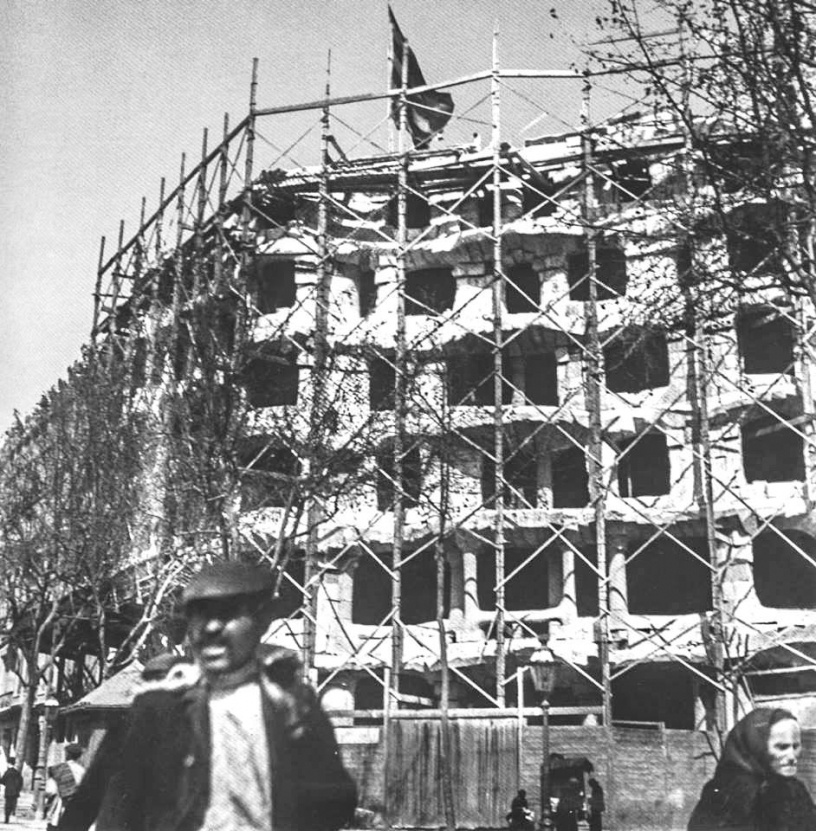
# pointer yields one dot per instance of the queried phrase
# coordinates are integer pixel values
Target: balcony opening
(371, 593)
(785, 569)
(669, 577)
(586, 582)
(520, 485)
(268, 475)
(755, 238)
(367, 292)
(541, 379)
(470, 380)
(610, 273)
(656, 692)
(632, 179)
(528, 589)
(429, 291)
(411, 479)
(271, 379)
(636, 360)
(643, 466)
(570, 480)
(772, 450)
(382, 377)
(522, 289)
(417, 211)
(276, 285)
(766, 341)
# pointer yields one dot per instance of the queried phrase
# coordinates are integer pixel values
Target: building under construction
(526, 427)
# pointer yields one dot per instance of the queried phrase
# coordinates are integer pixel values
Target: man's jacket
(12, 781)
(158, 777)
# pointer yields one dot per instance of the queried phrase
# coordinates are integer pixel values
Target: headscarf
(746, 748)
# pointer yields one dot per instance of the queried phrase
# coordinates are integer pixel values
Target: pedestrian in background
(755, 786)
(12, 781)
(62, 784)
(243, 746)
(595, 804)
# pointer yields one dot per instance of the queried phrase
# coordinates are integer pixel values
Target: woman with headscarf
(755, 786)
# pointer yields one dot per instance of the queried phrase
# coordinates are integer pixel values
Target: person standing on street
(595, 804)
(12, 782)
(62, 784)
(242, 745)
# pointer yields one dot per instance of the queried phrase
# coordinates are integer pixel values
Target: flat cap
(228, 579)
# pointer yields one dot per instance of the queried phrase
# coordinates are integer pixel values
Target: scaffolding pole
(319, 364)
(498, 378)
(392, 692)
(597, 485)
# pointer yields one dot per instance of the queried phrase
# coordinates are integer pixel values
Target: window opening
(371, 593)
(520, 485)
(522, 289)
(367, 292)
(429, 291)
(526, 590)
(411, 479)
(276, 285)
(272, 380)
(643, 467)
(382, 377)
(541, 379)
(772, 451)
(766, 341)
(665, 578)
(785, 569)
(267, 475)
(632, 178)
(570, 480)
(610, 273)
(636, 360)
(417, 211)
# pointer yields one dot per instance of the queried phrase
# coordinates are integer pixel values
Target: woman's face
(784, 747)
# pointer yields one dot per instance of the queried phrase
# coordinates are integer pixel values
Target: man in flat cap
(246, 747)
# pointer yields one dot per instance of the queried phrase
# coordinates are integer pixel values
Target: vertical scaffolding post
(113, 331)
(392, 693)
(698, 368)
(498, 432)
(178, 266)
(218, 245)
(716, 633)
(198, 271)
(160, 221)
(597, 488)
(241, 318)
(315, 460)
(152, 357)
(98, 291)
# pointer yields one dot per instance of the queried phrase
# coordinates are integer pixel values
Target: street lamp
(544, 669)
(48, 713)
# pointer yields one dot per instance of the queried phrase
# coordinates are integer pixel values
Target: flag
(427, 112)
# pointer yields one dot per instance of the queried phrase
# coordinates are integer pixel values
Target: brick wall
(654, 781)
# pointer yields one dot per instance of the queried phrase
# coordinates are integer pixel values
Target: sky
(100, 98)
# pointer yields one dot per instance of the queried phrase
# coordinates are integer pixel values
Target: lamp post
(48, 713)
(543, 676)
